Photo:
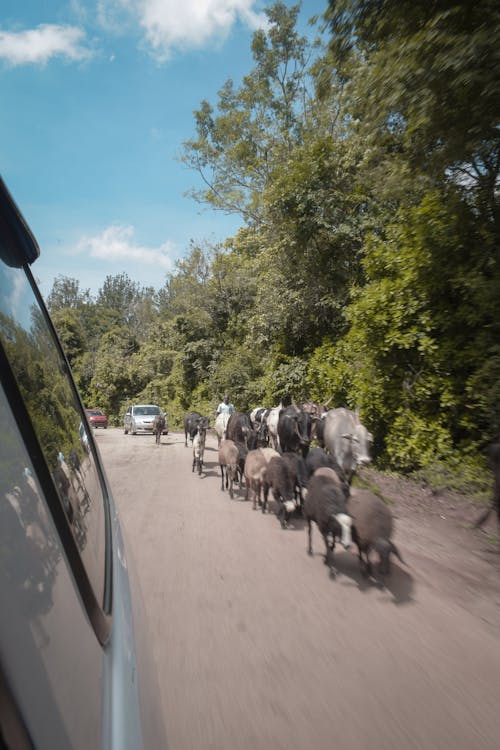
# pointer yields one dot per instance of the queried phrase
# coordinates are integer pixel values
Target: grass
(464, 476)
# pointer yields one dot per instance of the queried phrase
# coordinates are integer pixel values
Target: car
(76, 662)
(140, 418)
(97, 418)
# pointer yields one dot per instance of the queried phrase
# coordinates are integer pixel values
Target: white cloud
(180, 24)
(115, 243)
(38, 46)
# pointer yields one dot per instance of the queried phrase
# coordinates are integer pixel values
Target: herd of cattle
(270, 450)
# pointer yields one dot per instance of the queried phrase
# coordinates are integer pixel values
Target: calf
(278, 478)
(199, 447)
(159, 424)
(191, 422)
(325, 504)
(372, 527)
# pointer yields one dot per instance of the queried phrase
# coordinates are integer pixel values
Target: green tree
(254, 126)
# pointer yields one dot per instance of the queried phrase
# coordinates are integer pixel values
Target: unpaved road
(258, 648)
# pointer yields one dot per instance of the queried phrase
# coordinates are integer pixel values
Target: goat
(277, 477)
(232, 458)
(298, 472)
(318, 458)
(372, 527)
(255, 468)
(325, 504)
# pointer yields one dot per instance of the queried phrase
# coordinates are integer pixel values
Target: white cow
(272, 426)
(347, 440)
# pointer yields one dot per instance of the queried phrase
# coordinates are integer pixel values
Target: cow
(315, 409)
(295, 429)
(347, 440)
(239, 428)
(272, 426)
(221, 427)
(258, 418)
(191, 421)
(320, 430)
(258, 415)
(159, 425)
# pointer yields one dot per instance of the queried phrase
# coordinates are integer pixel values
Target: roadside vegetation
(364, 166)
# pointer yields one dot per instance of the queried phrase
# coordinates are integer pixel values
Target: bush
(467, 475)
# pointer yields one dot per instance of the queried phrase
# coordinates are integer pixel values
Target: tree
(66, 293)
(424, 78)
(256, 125)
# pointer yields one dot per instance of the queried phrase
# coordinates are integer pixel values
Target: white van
(75, 661)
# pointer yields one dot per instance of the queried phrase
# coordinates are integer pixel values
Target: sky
(97, 99)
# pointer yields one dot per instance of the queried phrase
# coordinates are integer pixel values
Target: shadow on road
(399, 584)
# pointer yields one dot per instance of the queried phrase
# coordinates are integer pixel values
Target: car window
(55, 412)
(49, 652)
(149, 411)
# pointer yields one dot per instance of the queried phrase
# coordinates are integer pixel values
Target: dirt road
(258, 648)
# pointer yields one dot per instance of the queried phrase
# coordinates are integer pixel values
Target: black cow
(296, 429)
(239, 429)
(191, 421)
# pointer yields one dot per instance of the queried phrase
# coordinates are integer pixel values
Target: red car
(97, 418)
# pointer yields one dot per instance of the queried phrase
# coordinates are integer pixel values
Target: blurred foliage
(364, 165)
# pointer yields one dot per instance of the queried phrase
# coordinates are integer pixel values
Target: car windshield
(95, 412)
(147, 410)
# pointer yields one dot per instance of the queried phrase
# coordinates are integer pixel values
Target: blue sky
(97, 98)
